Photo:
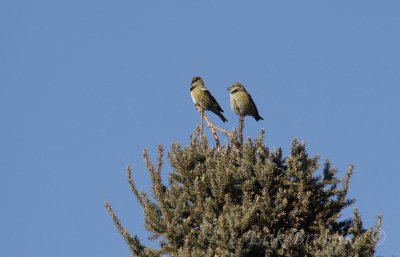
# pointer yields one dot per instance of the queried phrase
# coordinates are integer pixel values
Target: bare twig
(201, 119)
(212, 128)
(201, 111)
(195, 135)
(241, 126)
(210, 125)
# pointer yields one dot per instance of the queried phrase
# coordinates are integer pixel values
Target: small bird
(242, 103)
(203, 98)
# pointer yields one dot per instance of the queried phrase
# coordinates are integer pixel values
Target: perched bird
(242, 103)
(203, 98)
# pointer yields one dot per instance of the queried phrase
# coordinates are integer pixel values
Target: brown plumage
(203, 98)
(242, 103)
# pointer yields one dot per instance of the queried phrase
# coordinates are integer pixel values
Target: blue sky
(86, 85)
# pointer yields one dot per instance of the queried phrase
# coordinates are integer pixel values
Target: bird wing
(252, 102)
(212, 99)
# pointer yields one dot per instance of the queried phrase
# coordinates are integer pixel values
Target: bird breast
(193, 97)
(240, 103)
(235, 106)
(199, 97)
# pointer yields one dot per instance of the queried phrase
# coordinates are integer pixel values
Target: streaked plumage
(242, 103)
(202, 97)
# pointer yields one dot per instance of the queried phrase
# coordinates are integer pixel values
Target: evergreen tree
(243, 199)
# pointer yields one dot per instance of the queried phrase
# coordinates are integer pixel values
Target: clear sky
(86, 85)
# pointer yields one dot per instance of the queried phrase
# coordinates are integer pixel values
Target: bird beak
(229, 88)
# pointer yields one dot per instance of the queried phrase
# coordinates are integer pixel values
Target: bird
(242, 103)
(202, 97)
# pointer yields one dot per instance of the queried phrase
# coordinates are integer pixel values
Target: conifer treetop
(243, 199)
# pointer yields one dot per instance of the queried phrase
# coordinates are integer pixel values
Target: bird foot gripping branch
(241, 103)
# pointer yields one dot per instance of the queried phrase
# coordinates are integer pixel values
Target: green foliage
(243, 199)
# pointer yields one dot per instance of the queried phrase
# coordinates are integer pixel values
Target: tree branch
(132, 186)
(241, 126)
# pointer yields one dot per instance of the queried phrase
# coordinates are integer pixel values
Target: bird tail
(221, 116)
(258, 117)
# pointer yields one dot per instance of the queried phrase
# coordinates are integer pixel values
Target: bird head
(195, 79)
(235, 87)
